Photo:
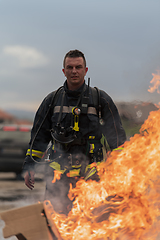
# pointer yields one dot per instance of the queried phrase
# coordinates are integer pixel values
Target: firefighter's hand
(29, 179)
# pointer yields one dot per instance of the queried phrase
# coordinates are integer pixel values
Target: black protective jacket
(90, 131)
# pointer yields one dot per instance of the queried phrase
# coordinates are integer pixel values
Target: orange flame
(125, 203)
(156, 82)
(157, 105)
(57, 176)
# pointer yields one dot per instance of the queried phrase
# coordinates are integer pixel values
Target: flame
(125, 203)
(57, 176)
(155, 81)
(157, 105)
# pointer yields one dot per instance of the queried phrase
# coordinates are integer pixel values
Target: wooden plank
(49, 211)
(26, 223)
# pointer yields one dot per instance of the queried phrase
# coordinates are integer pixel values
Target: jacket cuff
(28, 164)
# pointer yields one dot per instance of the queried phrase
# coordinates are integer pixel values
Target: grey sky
(120, 39)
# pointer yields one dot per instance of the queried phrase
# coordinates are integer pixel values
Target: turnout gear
(74, 123)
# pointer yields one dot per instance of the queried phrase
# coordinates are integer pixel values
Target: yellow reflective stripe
(73, 173)
(91, 172)
(66, 109)
(119, 148)
(35, 153)
(94, 164)
(56, 166)
(91, 148)
(76, 166)
(91, 137)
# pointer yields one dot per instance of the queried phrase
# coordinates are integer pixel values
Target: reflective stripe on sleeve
(35, 153)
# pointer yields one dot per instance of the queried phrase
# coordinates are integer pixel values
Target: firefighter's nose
(74, 70)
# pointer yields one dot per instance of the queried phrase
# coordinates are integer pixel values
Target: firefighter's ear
(86, 70)
(63, 71)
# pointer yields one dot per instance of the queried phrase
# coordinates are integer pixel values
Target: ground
(14, 194)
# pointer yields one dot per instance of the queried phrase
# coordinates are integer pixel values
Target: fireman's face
(75, 71)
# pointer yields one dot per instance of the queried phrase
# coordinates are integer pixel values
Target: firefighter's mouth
(74, 77)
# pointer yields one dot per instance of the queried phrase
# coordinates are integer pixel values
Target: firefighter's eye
(79, 66)
(69, 67)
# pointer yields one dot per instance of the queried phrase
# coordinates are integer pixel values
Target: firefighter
(72, 120)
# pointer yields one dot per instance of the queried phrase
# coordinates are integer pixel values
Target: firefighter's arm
(40, 137)
(112, 128)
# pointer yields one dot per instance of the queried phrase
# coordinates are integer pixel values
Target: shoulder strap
(96, 99)
(55, 97)
(95, 96)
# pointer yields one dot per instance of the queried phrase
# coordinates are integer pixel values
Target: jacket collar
(75, 93)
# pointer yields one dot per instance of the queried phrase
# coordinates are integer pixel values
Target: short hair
(73, 54)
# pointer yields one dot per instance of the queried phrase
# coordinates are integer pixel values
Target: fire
(124, 204)
(57, 176)
(155, 81)
(157, 105)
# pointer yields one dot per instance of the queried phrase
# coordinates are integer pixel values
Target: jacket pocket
(90, 125)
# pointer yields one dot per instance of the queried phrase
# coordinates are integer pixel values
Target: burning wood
(49, 211)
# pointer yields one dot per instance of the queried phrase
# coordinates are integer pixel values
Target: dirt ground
(14, 194)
